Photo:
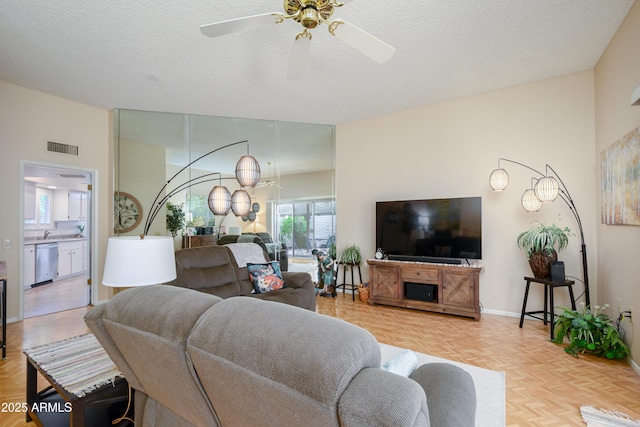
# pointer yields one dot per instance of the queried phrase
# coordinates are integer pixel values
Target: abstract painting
(620, 181)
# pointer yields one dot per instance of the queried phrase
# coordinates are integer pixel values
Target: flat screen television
(433, 230)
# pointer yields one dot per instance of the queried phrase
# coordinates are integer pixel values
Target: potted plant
(589, 332)
(350, 255)
(542, 243)
(175, 218)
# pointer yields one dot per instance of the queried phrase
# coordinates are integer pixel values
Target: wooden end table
(549, 286)
(66, 402)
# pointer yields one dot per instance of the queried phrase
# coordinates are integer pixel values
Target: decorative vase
(540, 263)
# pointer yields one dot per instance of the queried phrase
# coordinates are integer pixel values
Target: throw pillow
(265, 277)
(402, 364)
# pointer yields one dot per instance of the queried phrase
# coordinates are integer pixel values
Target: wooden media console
(440, 288)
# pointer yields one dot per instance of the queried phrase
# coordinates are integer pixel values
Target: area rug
(490, 387)
(602, 418)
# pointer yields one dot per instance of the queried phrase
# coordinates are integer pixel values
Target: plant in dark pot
(542, 243)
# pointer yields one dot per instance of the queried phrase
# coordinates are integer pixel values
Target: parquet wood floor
(545, 386)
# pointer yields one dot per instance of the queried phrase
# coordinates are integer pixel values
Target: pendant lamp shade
(499, 179)
(220, 200)
(530, 202)
(240, 203)
(547, 189)
(248, 171)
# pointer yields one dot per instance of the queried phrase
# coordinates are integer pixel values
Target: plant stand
(353, 284)
(549, 286)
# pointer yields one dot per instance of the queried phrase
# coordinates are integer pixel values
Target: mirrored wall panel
(180, 158)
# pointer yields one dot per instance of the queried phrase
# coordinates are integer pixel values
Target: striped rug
(602, 418)
(79, 364)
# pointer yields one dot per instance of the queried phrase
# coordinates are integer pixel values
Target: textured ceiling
(152, 56)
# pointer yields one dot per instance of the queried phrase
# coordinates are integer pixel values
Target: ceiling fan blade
(299, 57)
(240, 24)
(356, 37)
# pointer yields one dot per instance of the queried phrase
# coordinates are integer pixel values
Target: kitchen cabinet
(69, 205)
(29, 275)
(70, 258)
(29, 200)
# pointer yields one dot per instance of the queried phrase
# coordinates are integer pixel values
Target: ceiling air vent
(58, 147)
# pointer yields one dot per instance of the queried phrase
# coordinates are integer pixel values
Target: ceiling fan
(268, 182)
(310, 14)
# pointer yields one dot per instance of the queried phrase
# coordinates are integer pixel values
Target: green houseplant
(175, 218)
(589, 332)
(350, 255)
(542, 243)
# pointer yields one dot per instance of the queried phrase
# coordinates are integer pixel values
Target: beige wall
(142, 167)
(616, 76)
(27, 120)
(449, 150)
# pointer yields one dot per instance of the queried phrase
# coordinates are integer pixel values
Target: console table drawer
(419, 275)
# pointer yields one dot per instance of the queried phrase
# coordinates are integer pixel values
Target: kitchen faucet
(46, 234)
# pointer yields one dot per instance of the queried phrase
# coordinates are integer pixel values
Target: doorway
(56, 239)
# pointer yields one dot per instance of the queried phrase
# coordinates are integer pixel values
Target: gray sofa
(197, 360)
(214, 270)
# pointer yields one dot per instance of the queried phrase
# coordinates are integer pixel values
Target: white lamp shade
(248, 171)
(132, 261)
(499, 179)
(547, 189)
(530, 202)
(220, 200)
(240, 203)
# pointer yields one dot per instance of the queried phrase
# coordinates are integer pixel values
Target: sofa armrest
(298, 280)
(451, 394)
(372, 399)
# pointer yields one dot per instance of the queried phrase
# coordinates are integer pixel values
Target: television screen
(434, 230)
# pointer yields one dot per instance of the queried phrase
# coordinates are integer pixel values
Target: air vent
(58, 147)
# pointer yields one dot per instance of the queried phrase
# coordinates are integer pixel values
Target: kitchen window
(43, 208)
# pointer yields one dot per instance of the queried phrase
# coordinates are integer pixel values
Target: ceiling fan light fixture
(309, 17)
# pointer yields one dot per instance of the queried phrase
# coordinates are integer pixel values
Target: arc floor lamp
(546, 188)
(147, 260)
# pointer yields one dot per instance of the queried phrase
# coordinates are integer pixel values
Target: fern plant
(350, 255)
(544, 238)
(589, 332)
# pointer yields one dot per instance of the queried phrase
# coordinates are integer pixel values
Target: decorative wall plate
(127, 212)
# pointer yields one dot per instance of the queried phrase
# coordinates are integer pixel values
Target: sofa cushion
(269, 352)
(144, 331)
(265, 277)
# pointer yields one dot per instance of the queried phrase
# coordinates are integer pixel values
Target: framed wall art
(620, 181)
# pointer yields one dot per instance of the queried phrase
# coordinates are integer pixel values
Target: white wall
(616, 76)
(27, 120)
(449, 150)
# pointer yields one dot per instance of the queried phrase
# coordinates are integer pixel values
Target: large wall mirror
(294, 200)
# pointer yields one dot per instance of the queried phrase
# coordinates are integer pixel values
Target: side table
(83, 380)
(344, 284)
(549, 286)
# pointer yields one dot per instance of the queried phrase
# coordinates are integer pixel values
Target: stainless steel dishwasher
(46, 263)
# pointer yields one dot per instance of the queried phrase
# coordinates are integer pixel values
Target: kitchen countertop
(54, 239)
